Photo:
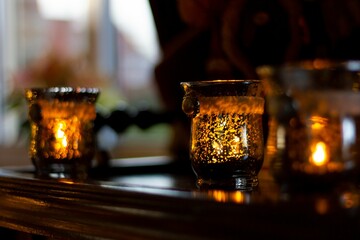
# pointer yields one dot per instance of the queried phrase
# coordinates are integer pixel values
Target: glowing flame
(60, 135)
(319, 156)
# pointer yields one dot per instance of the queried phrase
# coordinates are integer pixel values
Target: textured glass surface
(226, 131)
(62, 140)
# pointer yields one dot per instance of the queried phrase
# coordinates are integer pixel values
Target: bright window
(115, 38)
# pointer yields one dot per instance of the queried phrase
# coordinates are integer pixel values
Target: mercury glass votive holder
(62, 142)
(226, 143)
(314, 134)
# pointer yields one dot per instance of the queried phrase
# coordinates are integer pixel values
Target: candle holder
(314, 122)
(62, 142)
(226, 144)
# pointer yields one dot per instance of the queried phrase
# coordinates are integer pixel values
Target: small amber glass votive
(62, 143)
(226, 144)
(314, 123)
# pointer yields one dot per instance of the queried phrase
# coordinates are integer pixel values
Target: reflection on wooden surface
(158, 202)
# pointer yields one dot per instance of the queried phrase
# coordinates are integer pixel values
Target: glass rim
(219, 81)
(62, 93)
(212, 88)
(319, 64)
(324, 64)
(64, 89)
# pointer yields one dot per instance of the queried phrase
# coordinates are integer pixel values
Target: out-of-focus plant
(56, 70)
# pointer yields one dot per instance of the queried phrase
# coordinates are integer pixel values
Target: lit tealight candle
(319, 150)
(62, 138)
(319, 156)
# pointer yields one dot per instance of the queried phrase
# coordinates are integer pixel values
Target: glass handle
(190, 105)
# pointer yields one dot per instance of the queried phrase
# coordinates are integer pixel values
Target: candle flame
(60, 135)
(319, 156)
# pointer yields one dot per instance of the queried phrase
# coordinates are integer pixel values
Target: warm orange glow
(225, 196)
(219, 196)
(321, 205)
(319, 154)
(238, 197)
(321, 64)
(318, 123)
(227, 128)
(61, 139)
(61, 129)
(67, 181)
(350, 199)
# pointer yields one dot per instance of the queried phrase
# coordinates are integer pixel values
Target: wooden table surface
(147, 198)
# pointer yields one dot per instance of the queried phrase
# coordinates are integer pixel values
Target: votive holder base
(244, 183)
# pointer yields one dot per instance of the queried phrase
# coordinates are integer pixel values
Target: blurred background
(137, 52)
(110, 44)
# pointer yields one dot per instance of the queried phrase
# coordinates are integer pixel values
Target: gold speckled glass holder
(62, 142)
(226, 145)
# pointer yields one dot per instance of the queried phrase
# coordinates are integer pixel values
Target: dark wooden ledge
(167, 205)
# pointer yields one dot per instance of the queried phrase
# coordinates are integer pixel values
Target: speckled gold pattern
(228, 129)
(226, 143)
